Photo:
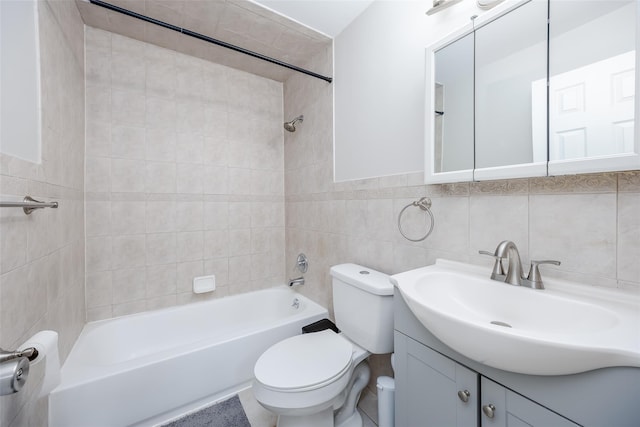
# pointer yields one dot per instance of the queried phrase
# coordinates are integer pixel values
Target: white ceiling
(326, 16)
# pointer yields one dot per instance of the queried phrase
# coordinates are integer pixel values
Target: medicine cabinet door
(449, 106)
(592, 80)
(511, 93)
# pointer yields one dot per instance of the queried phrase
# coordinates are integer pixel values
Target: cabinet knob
(489, 410)
(464, 395)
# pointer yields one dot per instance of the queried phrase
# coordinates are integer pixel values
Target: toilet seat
(304, 362)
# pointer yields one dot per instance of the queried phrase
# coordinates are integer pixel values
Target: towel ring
(425, 204)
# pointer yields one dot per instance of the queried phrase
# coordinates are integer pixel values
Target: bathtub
(133, 370)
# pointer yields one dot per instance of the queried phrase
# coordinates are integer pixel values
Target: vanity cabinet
(501, 407)
(434, 390)
(432, 382)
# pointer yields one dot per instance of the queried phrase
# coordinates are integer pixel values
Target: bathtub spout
(297, 281)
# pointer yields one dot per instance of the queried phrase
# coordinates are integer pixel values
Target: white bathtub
(133, 369)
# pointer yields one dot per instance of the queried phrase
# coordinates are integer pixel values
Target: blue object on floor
(228, 413)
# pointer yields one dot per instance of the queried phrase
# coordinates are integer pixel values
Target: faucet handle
(302, 263)
(498, 271)
(534, 273)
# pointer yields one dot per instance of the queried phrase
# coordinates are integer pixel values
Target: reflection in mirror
(453, 102)
(591, 78)
(511, 55)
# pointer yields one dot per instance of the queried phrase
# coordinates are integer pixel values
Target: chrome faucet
(514, 276)
(302, 265)
(297, 281)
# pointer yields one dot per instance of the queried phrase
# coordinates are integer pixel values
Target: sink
(566, 328)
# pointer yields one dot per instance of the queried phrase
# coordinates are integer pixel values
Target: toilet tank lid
(364, 278)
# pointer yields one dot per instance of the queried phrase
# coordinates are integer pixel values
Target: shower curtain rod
(208, 39)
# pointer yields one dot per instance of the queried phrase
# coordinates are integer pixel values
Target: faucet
(296, 281)
(508, 249)
(514, 276)
(302, 265)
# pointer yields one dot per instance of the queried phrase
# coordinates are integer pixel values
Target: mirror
(510, 93)
(554, 92)
(592, 73)
(453, 105)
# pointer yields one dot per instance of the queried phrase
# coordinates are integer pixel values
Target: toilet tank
(363, 306)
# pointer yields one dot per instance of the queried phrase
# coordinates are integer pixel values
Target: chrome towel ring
(425, 204)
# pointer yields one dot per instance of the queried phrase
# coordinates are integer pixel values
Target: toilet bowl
(307, 375)
(315, 379)
(310, 375)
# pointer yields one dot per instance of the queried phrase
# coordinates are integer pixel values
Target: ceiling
(326, 16)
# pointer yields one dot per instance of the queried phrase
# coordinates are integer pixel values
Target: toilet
(315, 379)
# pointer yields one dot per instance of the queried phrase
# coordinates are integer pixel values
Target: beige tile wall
(185, 177)
(42, 255)
(591, 223)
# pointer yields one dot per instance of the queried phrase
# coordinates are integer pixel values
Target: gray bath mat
(228, 413)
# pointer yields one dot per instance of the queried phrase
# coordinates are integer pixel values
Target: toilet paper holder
(30, 353)
(14, 369)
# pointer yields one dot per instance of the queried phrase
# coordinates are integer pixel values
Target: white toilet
(315, 379)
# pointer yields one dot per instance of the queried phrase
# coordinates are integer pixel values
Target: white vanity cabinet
(432, 381)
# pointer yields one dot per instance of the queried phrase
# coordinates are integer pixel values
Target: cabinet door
(511, 94)
(592, 91)
(431, 389)
(501, 407)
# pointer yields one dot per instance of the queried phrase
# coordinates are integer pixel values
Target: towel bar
(29, 204)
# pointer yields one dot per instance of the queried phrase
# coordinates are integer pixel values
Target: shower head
(291, 126)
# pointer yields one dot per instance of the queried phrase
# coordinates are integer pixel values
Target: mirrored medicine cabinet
(535, 88)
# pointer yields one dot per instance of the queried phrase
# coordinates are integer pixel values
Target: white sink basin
(564, 329)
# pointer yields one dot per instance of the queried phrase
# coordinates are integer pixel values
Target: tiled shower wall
(184, 177)
(42, 255)
(591, 223)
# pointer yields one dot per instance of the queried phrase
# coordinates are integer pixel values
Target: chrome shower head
(291, 126)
